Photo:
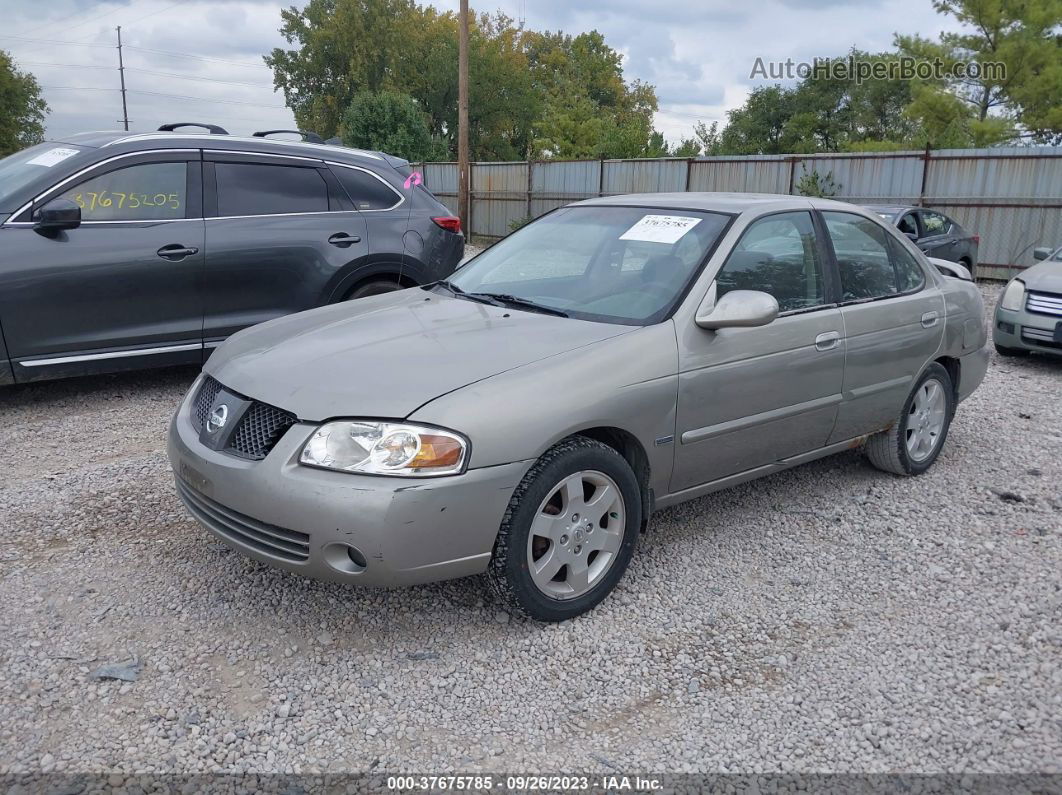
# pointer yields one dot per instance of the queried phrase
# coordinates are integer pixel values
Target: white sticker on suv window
(660, 228)
(51, 157)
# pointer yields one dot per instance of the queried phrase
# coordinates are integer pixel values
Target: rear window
(366, 191)
(263, 189)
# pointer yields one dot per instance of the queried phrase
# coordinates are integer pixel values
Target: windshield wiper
(523, 303)
(459, 293)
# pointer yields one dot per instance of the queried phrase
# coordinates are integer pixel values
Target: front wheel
(568, 533)
(915, 439)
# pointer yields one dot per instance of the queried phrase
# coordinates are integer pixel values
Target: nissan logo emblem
(217, 419)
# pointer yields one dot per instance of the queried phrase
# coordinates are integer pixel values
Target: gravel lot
(829, 618)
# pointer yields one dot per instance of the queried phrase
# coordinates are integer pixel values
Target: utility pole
(121, 76)
(462, 122)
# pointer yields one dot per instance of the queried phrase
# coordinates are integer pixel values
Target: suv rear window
(265, 189)
(366, 191)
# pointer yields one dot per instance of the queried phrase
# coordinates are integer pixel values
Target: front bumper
(1026, 330)
(403, 531)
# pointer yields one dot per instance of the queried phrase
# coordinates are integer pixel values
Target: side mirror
(911, 235)
(737, 309)
(1041, 253)
(56, 215)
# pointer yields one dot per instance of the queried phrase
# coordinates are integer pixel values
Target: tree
(389, 122)
(759, 126)
(1022, 36)
(22, 108)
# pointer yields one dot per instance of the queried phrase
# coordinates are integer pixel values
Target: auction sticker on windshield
(51, 157)
(660, 228)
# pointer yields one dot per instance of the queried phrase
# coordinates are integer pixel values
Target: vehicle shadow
(90, 388)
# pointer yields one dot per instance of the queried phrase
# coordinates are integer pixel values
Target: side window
(909, 274)
(862, 257)
(365, 190)
(934, 223)
(907, 225)
(777, 255)
(144, 192)
(263, 189)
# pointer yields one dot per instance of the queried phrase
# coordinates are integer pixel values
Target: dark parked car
(935, 233)
(122, 251)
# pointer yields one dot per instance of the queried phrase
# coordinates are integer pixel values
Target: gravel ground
(829, 618)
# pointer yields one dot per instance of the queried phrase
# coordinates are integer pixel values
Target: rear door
(123, 289)
(937, 239)
(280, 234)
(893, 322)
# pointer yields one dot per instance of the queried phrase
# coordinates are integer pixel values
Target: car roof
(891, 209)
(124, 141)
(734, 203)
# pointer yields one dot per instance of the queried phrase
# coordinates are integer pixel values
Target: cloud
(698, 53)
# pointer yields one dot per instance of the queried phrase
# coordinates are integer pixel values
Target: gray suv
(120, 251)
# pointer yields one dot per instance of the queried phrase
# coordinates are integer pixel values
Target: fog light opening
(345, 558)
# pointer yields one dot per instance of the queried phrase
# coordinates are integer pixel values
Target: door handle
(827, 341)
(929, 319)
(342, 239)
(175, 252)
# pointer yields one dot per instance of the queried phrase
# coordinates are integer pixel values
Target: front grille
(259, 536)
(204, 400)
(259, 430)
(1038, 336)
(1044, 304)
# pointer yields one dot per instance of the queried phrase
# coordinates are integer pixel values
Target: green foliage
(812, 183)
(531, 94)
(22, 109)
(1022, 36)
(389, 122)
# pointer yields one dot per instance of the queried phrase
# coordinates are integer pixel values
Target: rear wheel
(376, 287)
(1004, 351)
(969, 266)
(917, 436)
(569, 532)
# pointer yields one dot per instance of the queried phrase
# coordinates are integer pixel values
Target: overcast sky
(698, 53)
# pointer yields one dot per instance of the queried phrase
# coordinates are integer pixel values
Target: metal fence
(1011, 197)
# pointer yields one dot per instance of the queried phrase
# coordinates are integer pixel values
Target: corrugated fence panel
(440, 178)
(1011, 197)
(645, 176)
(744, 175)
(881, 178)
(567, 179)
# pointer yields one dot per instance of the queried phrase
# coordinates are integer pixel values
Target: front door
(752, 396)
(124, 288)
(280, 236)
(937, 239)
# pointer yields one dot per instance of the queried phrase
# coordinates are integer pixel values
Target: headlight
(385, 448)
(1014, 296)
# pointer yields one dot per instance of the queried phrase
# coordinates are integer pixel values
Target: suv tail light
(449, 223)
(976, 239)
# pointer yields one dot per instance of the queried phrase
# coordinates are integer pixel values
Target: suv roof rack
(308, 137)
(213, 129)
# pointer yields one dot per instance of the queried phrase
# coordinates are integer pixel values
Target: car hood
(1045, 277)
(387, 355)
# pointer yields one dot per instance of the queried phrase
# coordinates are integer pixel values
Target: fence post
(925, 177)
(530, 184)
(792, 174)
(601, 177)
(689, 168)
(471, 197)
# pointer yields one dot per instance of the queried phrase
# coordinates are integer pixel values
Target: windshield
(615, 264)
(21, 168)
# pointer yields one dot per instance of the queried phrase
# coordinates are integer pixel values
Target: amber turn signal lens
(436, 451)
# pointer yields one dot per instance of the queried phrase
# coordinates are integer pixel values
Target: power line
(196, 57)
(169, 96)
(58, 41)
(149, 72)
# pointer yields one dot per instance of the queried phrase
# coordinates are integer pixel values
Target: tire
(969, 266)
(891, 450)
(376, 287)
(572, 545)
(1002, 351)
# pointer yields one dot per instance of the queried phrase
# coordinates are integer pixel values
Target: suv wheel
(377, 287)
(917, 436)
(568, 533)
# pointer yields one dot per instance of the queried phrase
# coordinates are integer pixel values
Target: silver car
(1029, 312)
(526, 417)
